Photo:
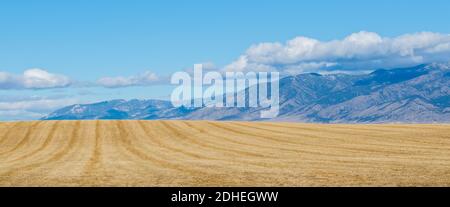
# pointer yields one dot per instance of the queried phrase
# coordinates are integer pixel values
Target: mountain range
(419, 94)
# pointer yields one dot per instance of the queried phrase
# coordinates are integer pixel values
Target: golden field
(204, 153)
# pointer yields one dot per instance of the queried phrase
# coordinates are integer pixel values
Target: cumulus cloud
(143, 79)
(358, 51)
(33, 79)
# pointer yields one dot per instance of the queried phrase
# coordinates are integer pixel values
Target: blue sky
(85, 40)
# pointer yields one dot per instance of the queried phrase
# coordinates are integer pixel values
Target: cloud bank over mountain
(361, 51)
(358, 51)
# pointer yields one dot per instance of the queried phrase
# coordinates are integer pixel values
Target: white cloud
(33, 79)
(146, 78)
(358, 51)
(36, 105)
(33, 107)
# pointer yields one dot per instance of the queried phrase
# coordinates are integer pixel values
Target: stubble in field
(204, 153)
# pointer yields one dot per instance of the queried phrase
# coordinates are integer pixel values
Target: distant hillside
(418, 94)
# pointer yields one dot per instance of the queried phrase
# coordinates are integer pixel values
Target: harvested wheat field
(203, 153)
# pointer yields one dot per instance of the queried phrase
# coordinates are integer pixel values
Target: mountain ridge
(419, 94)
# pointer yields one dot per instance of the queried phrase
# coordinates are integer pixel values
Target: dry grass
(190, 153)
